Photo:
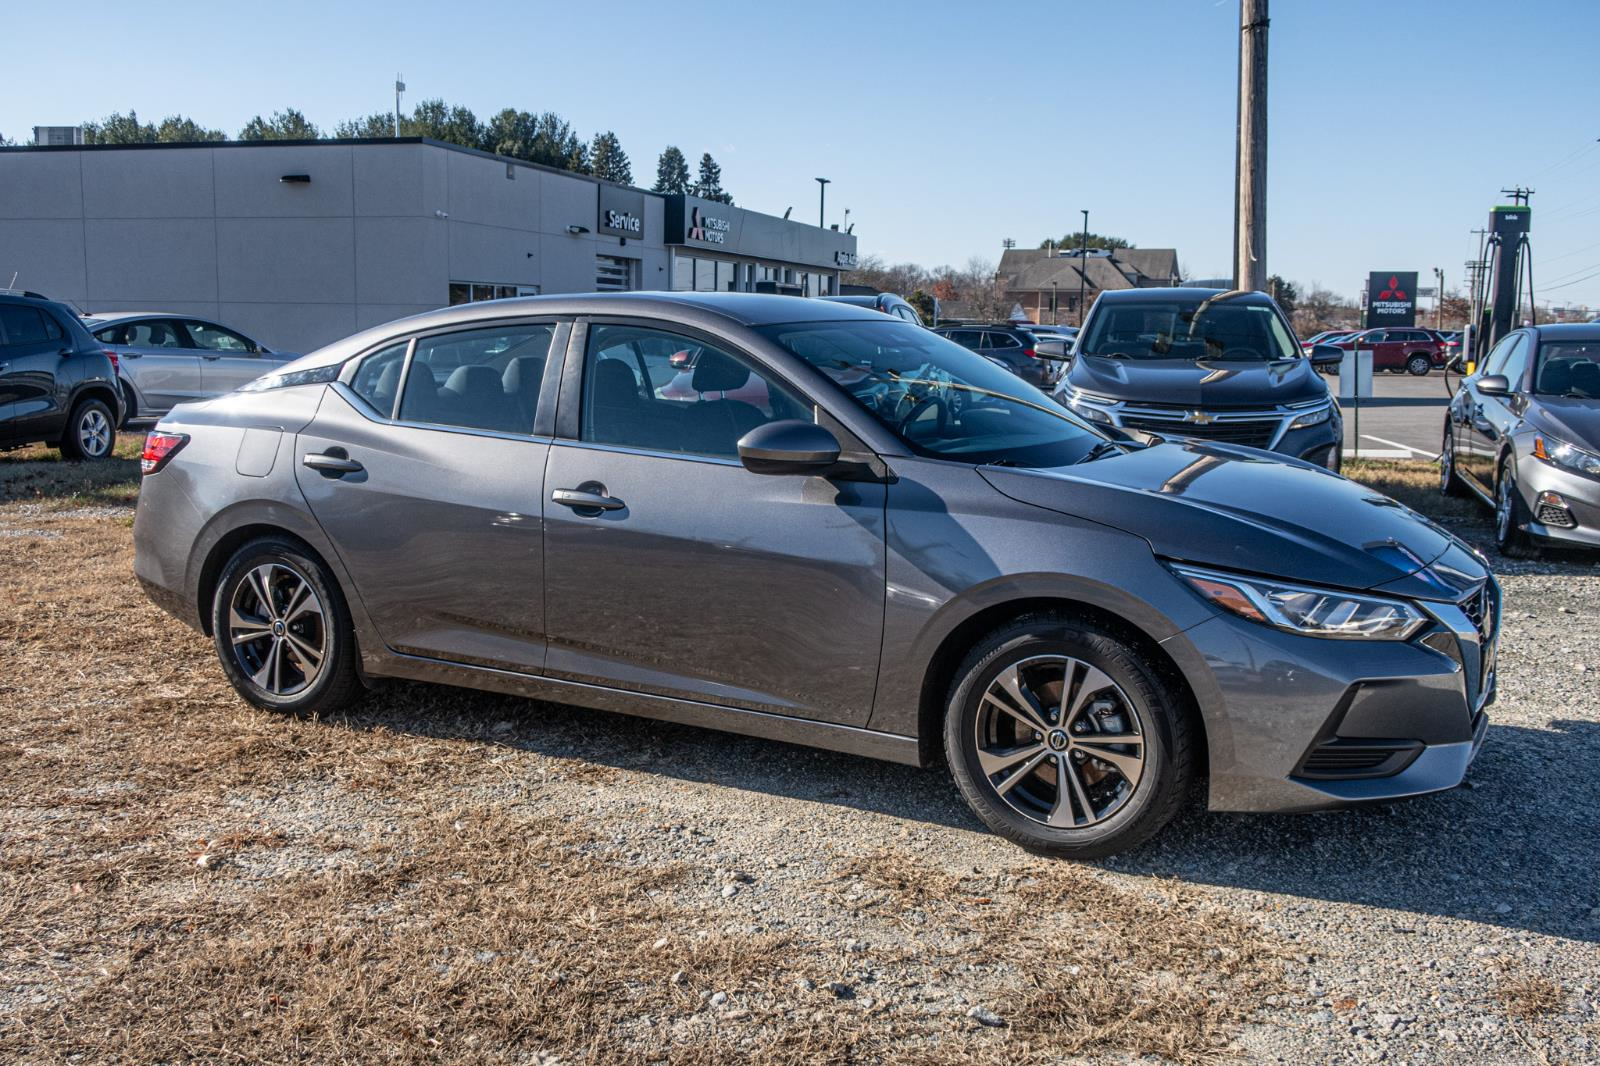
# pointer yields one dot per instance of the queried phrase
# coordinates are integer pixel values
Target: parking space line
(1397, 444)
(1381, 453)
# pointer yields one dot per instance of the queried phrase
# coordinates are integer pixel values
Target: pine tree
(608, 161)
(672, 171)
(286, 125)
(709, 184)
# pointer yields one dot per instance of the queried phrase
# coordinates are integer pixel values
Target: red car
(1410, 350)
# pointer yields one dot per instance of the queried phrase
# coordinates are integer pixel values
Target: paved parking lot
(1404, 418)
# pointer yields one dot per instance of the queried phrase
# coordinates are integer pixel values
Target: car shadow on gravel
(1517, 846)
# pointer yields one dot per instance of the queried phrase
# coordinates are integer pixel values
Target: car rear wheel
(1065, 739)
(282, 630)
(1509, 515)
(1449, 483)
(1418, 365)
(130, 409)
(91, 431)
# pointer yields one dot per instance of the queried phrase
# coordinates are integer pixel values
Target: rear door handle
(334, 465)
(580, 500)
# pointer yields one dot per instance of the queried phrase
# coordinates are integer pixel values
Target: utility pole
(1083, 268)
(822, 202)
(399, 87)
(1438, 299)
(1250, 179)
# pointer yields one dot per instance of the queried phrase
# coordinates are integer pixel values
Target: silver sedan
(165, 359)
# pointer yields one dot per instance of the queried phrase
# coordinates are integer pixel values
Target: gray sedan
(892, 547)
(166, 359)
(1523, 433)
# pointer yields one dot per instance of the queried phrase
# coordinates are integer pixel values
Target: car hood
(1208, 383)
(1574, 421)
(1241, 509)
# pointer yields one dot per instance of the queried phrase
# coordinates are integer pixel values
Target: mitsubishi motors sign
(1392, 298)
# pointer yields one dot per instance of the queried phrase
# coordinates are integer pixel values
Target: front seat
(520, 382)
(616, 407)
(473, 396)
(714, 426)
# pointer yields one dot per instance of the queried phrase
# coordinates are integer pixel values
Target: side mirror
(681, 360)
(1051, 349)
(1326, 355)
(1494, 385)
(788, 447)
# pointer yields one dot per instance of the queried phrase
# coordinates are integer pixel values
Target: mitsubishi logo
(1394, 291)
(1199, 418)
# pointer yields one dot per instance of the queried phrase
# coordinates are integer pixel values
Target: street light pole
(1438, 300)
(822, 202)
(1083, 267)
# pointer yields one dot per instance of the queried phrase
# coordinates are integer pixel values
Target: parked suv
(1411, 350)
(57, 386)
(1523, 433)
(1206, 363)
(166, 359)
(1021, 350)
(887, 302)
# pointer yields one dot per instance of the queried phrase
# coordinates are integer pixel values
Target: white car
(164, 359)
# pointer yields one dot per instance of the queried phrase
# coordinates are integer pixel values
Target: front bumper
(1580, 494)
(1277, 704)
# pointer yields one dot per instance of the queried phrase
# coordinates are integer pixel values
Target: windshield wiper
(1099, 451)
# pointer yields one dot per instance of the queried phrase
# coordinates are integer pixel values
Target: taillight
(1030, 353)
(111, 355)
(159, 448)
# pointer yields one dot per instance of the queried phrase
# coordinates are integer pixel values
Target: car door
(1004, 347)
(156, 356)
(30, 360)
(1474, 437)
(425, 466)
(227, 359)
(674, 571)
(1494, 417)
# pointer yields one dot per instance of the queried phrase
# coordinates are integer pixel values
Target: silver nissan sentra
(808, 522)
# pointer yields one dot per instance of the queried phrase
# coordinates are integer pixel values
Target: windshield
(1570, 369)
(941, 399)
(1224, 327)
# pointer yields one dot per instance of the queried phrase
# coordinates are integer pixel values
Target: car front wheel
(1419, 365)
(1509, 515)
(1065, 739)
(282, 630)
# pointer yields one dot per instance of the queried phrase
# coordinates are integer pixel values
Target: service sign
(621, 211)
(1392, 298)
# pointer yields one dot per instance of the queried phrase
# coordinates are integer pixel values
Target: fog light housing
(1552, 510)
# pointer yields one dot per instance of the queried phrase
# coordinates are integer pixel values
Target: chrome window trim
(623, 449)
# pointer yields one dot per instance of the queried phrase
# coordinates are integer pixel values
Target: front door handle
(332, 465)
(582, 500)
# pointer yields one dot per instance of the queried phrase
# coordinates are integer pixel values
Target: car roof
(860, 301)
(1569, 331)
(105, 318)
(1181, 293)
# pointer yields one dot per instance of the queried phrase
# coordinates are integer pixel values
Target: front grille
(1253, 433)
(1482, 609)
(1344, 759)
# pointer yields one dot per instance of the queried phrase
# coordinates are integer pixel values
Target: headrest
(523, 372)
(715, 372)
(614, 381)
(473, 380)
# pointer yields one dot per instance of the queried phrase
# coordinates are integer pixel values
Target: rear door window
(485, 379)
(25, 325)
(153, 333)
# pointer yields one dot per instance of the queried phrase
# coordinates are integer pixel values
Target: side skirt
(890, 747)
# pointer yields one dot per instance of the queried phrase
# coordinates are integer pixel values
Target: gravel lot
(447, 875)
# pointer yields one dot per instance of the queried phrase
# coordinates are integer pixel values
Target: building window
(468, 292)
(682, 273)
(705, 275)
(613, 274)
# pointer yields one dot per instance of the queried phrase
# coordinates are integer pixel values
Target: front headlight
(1314, 417)
(1567, 456)
(1089, 407)
(1309, 611)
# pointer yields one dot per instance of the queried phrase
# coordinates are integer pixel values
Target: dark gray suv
(841, 530)
(57, 385)
(1221, 366)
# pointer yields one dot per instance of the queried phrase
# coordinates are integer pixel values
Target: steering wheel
(922, 405)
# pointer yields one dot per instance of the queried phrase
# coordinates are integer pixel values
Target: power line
(1584, 150)
(1568, 285)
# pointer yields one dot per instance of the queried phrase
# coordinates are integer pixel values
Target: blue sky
(945, 127)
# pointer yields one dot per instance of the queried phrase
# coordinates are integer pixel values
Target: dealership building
(298, 243)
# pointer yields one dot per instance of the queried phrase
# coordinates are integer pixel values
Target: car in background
(1523, 434)
(886, 302)
(165, 359)
(1080, 625)
(1065, 334)
(1210, 364)
(1409, 350)
(1327, 336)
(1038, 361)
(58, 386)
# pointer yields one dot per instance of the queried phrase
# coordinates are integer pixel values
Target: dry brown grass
(40, 474)
(185, 879)
(1415, 483)
(1530, 996)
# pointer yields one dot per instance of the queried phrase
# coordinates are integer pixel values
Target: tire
(1509, 515)
(130, 409)
(1418, 365)
(91, 431)
(1018, 796)
(280, 669)
(1449, 481)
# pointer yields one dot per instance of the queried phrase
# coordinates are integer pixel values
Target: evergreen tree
(117, 128)
(286, 125)
(608, 161)
(176, 129)
(708, 185)
(672, 171)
